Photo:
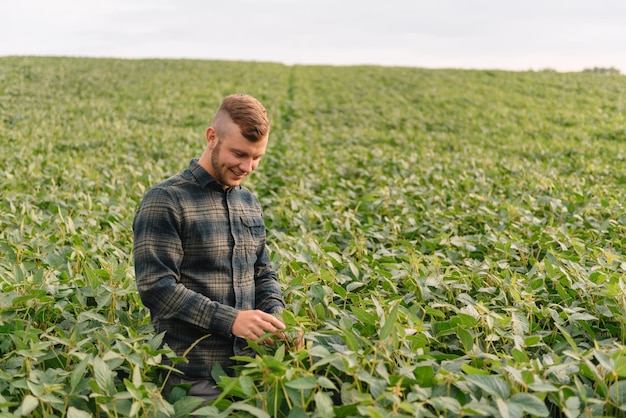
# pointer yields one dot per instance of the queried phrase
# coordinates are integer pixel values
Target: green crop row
(450, 242)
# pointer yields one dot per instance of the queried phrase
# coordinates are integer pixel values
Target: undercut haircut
(247, 113)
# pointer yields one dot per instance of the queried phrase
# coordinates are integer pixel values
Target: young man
(201, 263)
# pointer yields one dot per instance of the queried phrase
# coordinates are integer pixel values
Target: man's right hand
(253, 324)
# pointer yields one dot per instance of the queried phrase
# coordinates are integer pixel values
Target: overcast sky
(565, 35)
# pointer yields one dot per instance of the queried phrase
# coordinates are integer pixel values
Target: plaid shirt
(200, 258)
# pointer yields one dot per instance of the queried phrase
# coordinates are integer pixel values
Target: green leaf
(363, 315)
(508, 409)
(390, 322)
(135, 391)
(424, 375)
(376, 385)
(582, 316)
(288, 318)
(297, 412)
(445, 403)
(253, 410)
(319, 351)
(617, 393)
(351, 341)
(137, 378)
(466, 321)
(29, 404)
(466, 338)
(551, 271)
(326, 383)
(156, 341)
(186, 405)
(33, 294)
(530, 404)
(435, 313)
(73, 412)
(532, 340)
(247, 385)
(303, 383)
(279, 355)
(519, 355)
(567, 337)
(87, 315)
(103, 375)
(78, 374)
(324, 404)
(473, 370)
(620, 364)
(208, 411)
(492, 385)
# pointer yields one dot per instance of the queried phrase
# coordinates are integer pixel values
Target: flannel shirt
(200, 257)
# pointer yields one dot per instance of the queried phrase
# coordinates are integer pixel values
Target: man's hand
(298, 341)
(253, 324)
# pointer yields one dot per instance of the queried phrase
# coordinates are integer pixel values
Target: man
(201, 261)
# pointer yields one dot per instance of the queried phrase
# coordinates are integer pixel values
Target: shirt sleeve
(268, 294)
(158, 253)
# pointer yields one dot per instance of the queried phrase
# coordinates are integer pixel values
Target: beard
(222, 172)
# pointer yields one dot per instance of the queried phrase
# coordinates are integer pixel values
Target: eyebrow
(241, 152)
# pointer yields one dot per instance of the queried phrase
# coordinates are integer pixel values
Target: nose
(247, 165)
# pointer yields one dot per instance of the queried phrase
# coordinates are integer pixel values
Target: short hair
(247, 113)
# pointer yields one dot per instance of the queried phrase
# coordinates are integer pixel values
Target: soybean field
(450, 242)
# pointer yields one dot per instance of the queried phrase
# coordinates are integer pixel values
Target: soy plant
(340, 373)
(487, 223)
(449, 242)
(69, 342)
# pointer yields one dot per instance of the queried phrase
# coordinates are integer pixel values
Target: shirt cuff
(223, 319)
(276, 310)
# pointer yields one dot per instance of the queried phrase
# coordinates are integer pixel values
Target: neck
(205, 162)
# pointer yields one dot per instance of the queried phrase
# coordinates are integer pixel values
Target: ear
(211, 137)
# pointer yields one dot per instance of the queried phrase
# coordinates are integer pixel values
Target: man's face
(233, 157)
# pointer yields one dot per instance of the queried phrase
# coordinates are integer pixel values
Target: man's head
(236, 139)
(247, 113)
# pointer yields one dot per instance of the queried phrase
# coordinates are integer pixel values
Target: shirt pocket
(253, 232)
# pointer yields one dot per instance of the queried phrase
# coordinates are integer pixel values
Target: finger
(297, 340)
(270, 328)
(254, 333)
(267, 341)
(300, 342)
(277, 323)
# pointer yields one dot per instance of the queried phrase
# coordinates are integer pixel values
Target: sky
(517, 35)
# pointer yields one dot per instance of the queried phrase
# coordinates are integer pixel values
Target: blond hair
(247, 113)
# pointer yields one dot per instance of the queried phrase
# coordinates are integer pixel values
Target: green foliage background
(450, 242)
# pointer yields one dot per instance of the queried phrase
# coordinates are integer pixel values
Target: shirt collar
(201, 175)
